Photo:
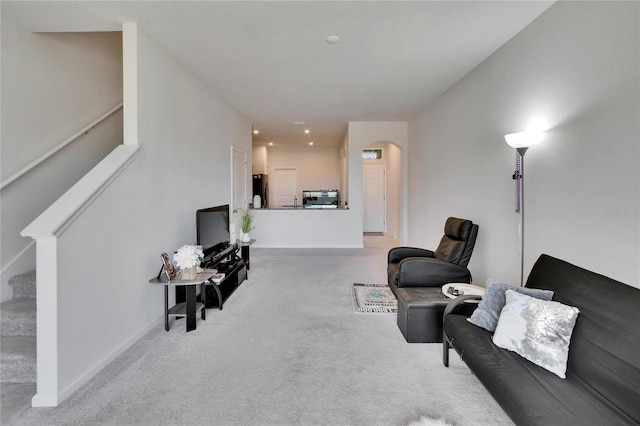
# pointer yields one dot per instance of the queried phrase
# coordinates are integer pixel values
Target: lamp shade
(523, 139)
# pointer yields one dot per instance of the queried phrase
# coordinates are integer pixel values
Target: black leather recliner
(416, 267)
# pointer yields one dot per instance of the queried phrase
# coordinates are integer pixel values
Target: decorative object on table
(188, 258)
(373, 299)
(453, 290)
(167, 266)
(246, 224)
(521, 142)
(217, 277)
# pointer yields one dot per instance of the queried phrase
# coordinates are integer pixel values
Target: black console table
(217, 293)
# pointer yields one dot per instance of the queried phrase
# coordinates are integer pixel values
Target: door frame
(382, 163)
(233, 208)
(274, 185)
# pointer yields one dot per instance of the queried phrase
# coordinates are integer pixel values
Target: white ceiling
(270, 60)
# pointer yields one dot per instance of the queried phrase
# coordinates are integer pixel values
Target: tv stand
(218, 293)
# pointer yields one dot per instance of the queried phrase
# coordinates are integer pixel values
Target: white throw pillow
(537, 330)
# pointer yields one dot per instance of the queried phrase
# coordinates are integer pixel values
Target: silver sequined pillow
(488, 310)
(537, 330)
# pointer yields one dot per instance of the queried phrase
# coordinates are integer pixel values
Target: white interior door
(238, 187)
(285, 186)
(373, 189)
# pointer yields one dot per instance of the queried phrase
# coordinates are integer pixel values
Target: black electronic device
(212, 233)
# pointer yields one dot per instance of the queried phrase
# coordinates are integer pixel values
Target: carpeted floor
(267, 359)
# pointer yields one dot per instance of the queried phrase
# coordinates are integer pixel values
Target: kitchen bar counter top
(302, 208)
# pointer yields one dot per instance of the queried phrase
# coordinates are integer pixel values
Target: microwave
(321, 199)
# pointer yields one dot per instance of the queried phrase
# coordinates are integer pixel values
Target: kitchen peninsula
(307, 227)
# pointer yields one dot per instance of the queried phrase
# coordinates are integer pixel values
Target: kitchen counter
(302, 208)
(286, 227)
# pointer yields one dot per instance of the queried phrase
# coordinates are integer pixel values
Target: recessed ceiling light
(332, 39)
(307, 131)
(256, 131)
(311, 143)
(270, 143)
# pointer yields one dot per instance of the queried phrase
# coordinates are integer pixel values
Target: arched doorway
(382, 189)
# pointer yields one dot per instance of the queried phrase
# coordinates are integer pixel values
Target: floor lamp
(521, 142)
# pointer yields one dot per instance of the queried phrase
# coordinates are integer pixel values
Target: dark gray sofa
(603, 370)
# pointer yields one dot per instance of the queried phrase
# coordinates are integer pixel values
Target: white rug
(373, 299)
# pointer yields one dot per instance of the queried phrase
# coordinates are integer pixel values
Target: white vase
(245, 238)
(188, 274)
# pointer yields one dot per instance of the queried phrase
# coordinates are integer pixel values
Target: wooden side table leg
(244, 251)
(166, 308)
(203, 294)
(191, 307)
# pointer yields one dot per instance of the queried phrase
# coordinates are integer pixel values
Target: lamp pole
(520, 176)
(521, 142)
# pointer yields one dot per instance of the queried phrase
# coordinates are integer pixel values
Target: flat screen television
(212, 232)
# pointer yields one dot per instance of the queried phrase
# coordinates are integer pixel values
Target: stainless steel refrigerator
(261, 188)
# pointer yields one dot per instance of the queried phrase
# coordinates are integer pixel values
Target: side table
(244, 252)
(189, 308)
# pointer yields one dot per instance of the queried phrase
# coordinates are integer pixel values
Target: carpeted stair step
(24, 285)
(18, 317)
(18, 359)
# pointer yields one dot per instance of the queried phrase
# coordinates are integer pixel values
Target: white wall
(575, 68)
(361, 134)
(260, 160)
(53, 85)
(318, 167)
(395, 197)
(343, 155)
(111, 251)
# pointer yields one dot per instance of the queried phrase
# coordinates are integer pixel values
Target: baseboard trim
(53, 401)
(39, 400)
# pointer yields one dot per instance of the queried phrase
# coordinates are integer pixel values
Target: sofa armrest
(430, 272)
(459, 301)
(396, 254)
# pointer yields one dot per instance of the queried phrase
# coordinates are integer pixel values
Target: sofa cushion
(537, 330)
(488, 311)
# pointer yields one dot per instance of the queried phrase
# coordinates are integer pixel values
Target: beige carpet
(267, 359)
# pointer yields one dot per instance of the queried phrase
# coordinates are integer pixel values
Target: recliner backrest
(458, 241)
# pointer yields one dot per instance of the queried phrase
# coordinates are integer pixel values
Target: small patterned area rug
(373, 299)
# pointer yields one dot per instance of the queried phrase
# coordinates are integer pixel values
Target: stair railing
(17, 175)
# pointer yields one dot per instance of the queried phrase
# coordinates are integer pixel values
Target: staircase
(18, 331)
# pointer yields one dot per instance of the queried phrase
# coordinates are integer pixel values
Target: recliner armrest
(396, 254)
(430, 272)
